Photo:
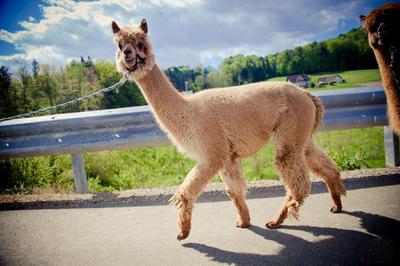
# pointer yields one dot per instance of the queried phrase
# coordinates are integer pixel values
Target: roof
(329, 79)
(297, 78)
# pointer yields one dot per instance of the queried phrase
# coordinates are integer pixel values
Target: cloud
(183, 32)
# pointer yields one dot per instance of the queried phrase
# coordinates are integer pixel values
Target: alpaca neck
(389, 84)
(166, 102)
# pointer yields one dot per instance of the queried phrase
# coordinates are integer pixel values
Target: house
(301, 80)
(330, 80)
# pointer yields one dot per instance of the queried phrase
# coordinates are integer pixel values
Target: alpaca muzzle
(138, 62)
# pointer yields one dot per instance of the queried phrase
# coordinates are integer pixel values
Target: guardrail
(76, 133)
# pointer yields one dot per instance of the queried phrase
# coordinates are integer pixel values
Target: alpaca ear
(115, 27)
(143, 25)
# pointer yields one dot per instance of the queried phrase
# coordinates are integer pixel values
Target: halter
(138, 61)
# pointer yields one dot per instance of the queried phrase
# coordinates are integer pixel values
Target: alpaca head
(134, 52)
(382, 26)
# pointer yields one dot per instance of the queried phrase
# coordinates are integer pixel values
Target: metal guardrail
(76, 133)
(136, 127)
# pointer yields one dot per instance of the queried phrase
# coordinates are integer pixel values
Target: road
(368, 231)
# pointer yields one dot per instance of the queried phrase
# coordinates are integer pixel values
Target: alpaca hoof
(336, 209)
(273, 225)
(182, 235)
(243, 224)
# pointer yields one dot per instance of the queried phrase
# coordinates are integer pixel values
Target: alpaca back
(243, 118)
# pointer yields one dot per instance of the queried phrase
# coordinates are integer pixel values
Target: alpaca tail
(319, 111)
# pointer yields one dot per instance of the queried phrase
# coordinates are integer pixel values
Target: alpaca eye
(140, 46)
(120, 46)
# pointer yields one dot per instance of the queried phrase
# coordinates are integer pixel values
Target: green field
(353, 78)
(164, 166)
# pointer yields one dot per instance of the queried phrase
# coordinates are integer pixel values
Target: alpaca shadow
(378, 245)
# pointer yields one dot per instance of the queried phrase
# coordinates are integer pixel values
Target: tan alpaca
(382, 25)
(218, 127)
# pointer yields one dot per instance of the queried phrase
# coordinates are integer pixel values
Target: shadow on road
(339, 246)
(109, 199)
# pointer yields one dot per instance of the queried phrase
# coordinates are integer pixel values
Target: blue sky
(12, 12)
(183, 32)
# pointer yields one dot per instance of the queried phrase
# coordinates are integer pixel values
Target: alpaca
(218, 127)
(384, 38)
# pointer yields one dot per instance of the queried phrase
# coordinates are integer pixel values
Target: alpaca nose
(127, 51)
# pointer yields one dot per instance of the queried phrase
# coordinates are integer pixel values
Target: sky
(183, 32)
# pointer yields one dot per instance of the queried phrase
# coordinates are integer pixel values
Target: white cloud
(182, 31)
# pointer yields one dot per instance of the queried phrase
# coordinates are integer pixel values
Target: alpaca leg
(236, 189)
(187, 193)
(294, 174)
(323, 166)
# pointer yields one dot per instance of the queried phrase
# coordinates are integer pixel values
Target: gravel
(213, 192)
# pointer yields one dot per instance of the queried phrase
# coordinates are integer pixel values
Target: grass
(353, 78)
(164, 166)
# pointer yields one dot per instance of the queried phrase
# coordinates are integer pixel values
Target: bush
(25, 174)
(165, 167)
(346, 162)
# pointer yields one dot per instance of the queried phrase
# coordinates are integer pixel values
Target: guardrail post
(391, 147)
(78, 169)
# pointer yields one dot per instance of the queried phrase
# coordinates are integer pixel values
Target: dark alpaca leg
(323, 166)
(236, 189)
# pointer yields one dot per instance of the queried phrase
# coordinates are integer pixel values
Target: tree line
(45, 85)
(346, 52)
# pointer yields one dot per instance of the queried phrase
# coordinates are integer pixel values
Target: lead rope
(61, 105)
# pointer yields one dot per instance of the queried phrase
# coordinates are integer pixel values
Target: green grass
(353, 78)
(164, 166)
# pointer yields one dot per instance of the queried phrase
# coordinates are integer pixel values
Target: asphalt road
(367, 232)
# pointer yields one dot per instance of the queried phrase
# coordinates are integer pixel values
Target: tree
(298, 65)
(7, 102)
(283, 63)
(26, 85)
(272, 65)
(47, 85)
(128, 95)
(35, 68)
